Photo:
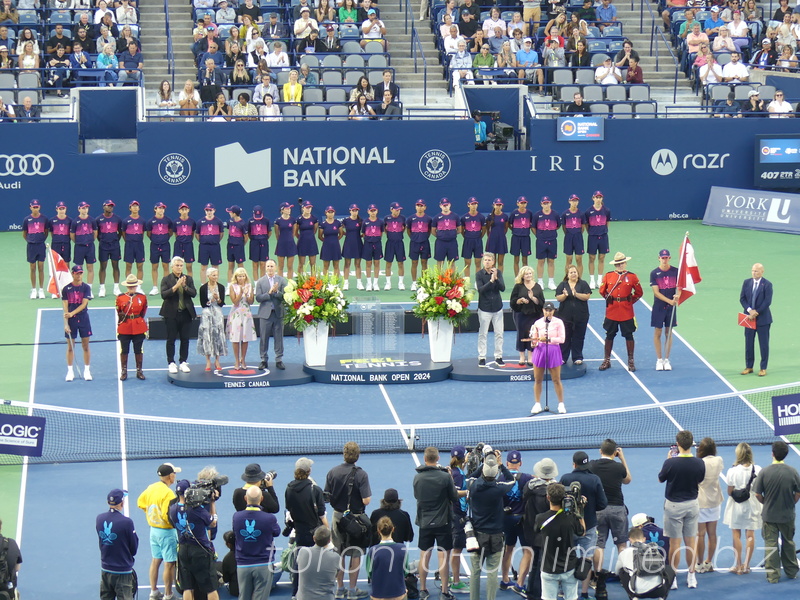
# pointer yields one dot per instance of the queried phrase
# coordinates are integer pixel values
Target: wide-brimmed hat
(253, 473)
(545, 469)
(619, 258)
(131, 281)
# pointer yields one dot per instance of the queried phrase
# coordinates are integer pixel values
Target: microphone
(547, 320)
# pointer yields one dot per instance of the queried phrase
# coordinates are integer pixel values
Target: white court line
(406, 434)
(31, 397)
(123, 456)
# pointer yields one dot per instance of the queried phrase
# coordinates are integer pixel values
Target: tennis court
(57, 502)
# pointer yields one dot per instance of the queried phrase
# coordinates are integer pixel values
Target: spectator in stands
(360, 110)
(607, 73)
(623, 57)
(233, 38)
(764, 58)
(450, 42)
(688, 23)
(307, 76)
(240, 77)
(484, 60)
(739, 31)
(28, 113)
(78, 60)
(58, 38)
(266, 87)
(188, 100)
(517, 42)
(373, 29)
(269, 111)
(253, 38)
(555, 7)
(782, 10)
(225, 14)
(4, 39)
(108, 60)
(477, 41)
(6, 112)
(59, 70)
(126, 14)
(735, 71)
(754, 18)
(555, 34)
(634, 74)
(297, 10)
(560, 22)
(450, 10)
(507, 60)
(710, 72)
(292, 89)
(203, 3)
(28, 60)
(6, 63)
(713, 24)
(786, 36)
(694, 40)
(83, 23)
(249, 9)
(387, 84)
(461, 64)
(219, 111)
(211, 81)
(234, 54)
(312, 44)
(274, 29)
(779, 108)
(348, 12)
(165, 100)
(125, 38)
(576, 24)
(245, 27)
(108, 20)
(581, 56)
(244, 110)
(702, 56)
(515, 23)
(571, 44)
(606, 15)
(388, 110)
(102, 10)
(259, 55)
(104, 39)
(754, 106)
(24, 37)
(723, 42)
(553, 55)
(447, 23)
(496, 41)
(528, 63)
(8, 13)
(213, 54)
(331, 42)
(671, 6)
(362, 88)
(305, 24)
(493, 22)
(132, 65)
(787, 61)
(324, 12)
(363, 10)
(262, 69)
(467, 26)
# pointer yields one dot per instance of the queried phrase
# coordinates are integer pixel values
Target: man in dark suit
(269, 295)
(177, 292)
(388, 109)
(387, 84)
(28, 113)
(756, 298)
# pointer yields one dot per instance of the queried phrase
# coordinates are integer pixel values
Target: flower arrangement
(443, 294)
(310, 299)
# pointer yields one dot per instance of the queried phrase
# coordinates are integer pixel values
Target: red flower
(304, 294)
(452, 293)
(439, 299)
(320, 301)
(308, 318)
(464, 302)
(297, 305)
(451, 312)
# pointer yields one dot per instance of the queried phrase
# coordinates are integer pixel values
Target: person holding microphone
(547, 335)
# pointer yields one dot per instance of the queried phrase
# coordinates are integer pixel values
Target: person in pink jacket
(546, 336)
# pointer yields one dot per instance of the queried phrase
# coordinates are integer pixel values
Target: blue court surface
(59, 501)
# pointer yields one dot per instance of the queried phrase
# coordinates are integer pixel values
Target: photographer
(535, 502)
(486, 496)
(557, 528)
(512, 523)
(593, 500)
(639, 583)
(211, 479)
(254, 476)
(255, 549)
(196, 556)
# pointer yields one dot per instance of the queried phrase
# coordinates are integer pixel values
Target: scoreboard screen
(777, 161)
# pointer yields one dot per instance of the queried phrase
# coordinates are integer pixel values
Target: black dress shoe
(262, 365)
(280, 366)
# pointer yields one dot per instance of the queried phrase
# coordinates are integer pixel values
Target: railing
(170, 53)
(657, 36)
(416, 47)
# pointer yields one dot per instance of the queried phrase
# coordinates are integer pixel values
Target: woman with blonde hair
(211, 340)
(742, 513)
(241, 328)
(527, 301)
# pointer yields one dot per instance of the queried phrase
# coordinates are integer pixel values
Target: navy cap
(86, 204)
(182, 486)
(35, 203)
(109, 203)
(522, 200)
(258, 211)
(183, 205)
(546, 200)
(580, 458)
(133, 203)
(116, 496)
(458, 451)
(664, 253)
(598, 193)
(472, 200)
(497, 202)
(444, 201)
(549, 306)
(306, 204)
(574, 197)
(354, 207)
(209, 206)
(514, 456)
(372, 207)
(77, 269)
(235, 209)
(61, 204)
(330, 209)
(395, 206)
(421, 202)
(159, 205)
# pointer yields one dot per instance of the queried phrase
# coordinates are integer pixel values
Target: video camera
(474, 459)
(574, 502)
(203, 491)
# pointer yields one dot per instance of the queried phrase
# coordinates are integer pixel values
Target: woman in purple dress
(305, 231)
(285, 247)
(497, 242)
(353, 246)
(329, 233)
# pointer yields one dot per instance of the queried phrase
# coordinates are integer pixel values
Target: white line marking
(121, 408)
(402, 429)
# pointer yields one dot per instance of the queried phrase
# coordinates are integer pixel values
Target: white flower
(454, 305)
(422, 295)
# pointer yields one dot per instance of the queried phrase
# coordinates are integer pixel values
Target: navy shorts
(63, 249)
(159, 253)
(395, 251)
(417, 250)
(185, 250)
(546, 249)
(372, 250)
(446, 250)
(573, 243)
(134, 252)
(598, 244)
(442, 537)
(79, 326)
(210, 253)
(459, 535)
(663, 316)
(259, 250)
(36, 252)
(520, 245)
(236, 253)
(106, 253)
(512, 530)
(84, 253)
(472, 248)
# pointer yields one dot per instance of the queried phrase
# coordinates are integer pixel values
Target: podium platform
(411, 368)
(229, 379)
(467, 369)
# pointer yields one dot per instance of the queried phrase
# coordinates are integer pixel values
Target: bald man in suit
(756, 298)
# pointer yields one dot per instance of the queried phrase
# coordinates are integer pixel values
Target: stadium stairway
(154, 46)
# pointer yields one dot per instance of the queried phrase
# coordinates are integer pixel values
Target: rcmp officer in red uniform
(622, 290)
(132, 326)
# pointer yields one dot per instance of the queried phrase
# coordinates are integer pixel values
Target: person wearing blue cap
(75, 297)
(666, 295)
(59, 233)
(395, 225)
(258, 231)
(519, 222)
(372, 231)
(116, 536)
(159, 229)
(305, 232)
(35, 228)
(109, 232)
(237, 238)
(83, 232)
(329, 233)
(209, 232)
(133, 227)
(597, 218)
(285, 246)
(472, 226)
(545, 224)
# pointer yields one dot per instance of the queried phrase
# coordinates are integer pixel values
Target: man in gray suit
(269, 295)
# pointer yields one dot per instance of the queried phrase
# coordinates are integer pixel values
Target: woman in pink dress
(547, 335)
(241, 328)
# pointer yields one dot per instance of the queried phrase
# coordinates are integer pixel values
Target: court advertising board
(753, 209)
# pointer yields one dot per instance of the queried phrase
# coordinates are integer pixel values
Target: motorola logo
(16, 165)
(664, 162)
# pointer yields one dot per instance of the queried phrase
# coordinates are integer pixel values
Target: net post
(410, 438)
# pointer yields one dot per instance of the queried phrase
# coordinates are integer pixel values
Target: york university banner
(753, 209)
(647, 168)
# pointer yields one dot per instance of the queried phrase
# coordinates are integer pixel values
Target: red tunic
(621, 291)
(130, 313)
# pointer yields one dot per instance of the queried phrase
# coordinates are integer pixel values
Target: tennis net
(74, 435)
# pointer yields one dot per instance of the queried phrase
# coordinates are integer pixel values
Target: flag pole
(52, 267)
(674, 318)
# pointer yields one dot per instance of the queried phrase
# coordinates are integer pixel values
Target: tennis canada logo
(568, 128)
(664, 162)
(434, 165)
(174, 169)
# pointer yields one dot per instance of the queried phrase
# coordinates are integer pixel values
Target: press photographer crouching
(643, 569)
(485, 538)
(557, 528)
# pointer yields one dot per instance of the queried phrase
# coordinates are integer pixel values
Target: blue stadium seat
(597, 45)
(349, 31)
(61, 16)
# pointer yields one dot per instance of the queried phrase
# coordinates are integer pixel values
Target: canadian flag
(688, 271)
(59, 272)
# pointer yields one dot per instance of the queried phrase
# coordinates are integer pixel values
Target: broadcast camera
(574, 502)
(475, 456)
(204, 491)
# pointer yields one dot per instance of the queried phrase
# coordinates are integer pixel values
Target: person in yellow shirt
(155, 502)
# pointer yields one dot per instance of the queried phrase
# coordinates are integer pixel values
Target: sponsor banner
(580, 129)
(753, 209)
(786, 414)
(21, 435)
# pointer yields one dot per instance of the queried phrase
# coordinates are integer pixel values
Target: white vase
(440, 337)
(315, 344)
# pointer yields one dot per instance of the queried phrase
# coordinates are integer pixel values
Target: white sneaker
(101, 293)
(359, 285)
(551, 284)
(562, 410)
(369, 285)
(185, 367)
(541, 283)
(375, 285)
(173, 368)
(54, 296)
(674, 585)
(591, 282)
(33, 293)
(41, 293)
(659, 364)
(154, 291)
(70, 374)
(537, 408)
(139, 289)
(401, 285)
(117, 291)
(692, 581)
(388, 285)
(413, 286)
(87, 374)
(667, 365)
(156, 595)
(346, 285)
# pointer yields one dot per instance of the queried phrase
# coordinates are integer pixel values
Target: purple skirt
(547, 356)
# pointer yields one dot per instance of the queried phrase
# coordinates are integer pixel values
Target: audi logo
(26, 164)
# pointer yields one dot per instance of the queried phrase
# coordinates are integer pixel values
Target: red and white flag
(688, 271)
(59, 272)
